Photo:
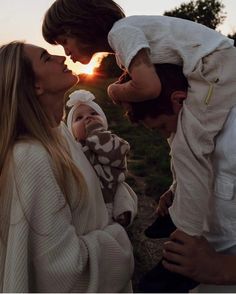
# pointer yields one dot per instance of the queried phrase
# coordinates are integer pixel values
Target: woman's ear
(177, 99)
(38, 88)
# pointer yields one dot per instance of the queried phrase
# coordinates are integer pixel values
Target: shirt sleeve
(62, 257)
(126, 41)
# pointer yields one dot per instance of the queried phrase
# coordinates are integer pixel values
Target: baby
(106, 152)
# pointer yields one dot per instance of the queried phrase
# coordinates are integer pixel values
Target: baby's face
(83, 116)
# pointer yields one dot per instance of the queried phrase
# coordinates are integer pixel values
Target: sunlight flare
(89, 68)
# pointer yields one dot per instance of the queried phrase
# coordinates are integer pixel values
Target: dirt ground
(147, 252)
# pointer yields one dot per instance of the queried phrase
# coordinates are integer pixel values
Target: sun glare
(89, 68)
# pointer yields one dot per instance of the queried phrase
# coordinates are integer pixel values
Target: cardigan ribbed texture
(53, 249)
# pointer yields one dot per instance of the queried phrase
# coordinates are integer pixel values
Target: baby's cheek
(78, 130)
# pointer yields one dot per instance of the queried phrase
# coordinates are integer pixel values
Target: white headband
(84, 97)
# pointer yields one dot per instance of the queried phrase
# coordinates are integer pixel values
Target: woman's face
(53, 78)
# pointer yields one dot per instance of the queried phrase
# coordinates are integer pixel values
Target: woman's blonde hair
(18, 98)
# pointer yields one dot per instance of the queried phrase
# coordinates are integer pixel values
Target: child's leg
(211, 95)
(160, 280)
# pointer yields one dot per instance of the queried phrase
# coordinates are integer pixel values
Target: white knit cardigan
(53, 249)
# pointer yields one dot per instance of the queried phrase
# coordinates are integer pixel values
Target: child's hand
(164, 203)
(143, 85)
(124, 218)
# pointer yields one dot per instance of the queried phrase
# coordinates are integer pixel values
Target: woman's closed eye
(47, 58)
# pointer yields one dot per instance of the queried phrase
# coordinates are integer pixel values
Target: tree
(108, 67)
(233, 36)
(207, 12)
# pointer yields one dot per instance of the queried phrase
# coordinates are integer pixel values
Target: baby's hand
(165, 202)
(124, 218)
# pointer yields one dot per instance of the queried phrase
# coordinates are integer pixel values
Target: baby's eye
(79, 117)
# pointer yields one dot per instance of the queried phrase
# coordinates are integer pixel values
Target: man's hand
(194, 257)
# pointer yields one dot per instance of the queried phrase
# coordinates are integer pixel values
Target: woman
(54, 232)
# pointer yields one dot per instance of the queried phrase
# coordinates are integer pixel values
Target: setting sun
(87, 68)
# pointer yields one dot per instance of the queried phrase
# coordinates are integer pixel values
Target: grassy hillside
(148, 160)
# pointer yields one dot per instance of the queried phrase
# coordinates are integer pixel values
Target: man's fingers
(174, 247)
(173, 267)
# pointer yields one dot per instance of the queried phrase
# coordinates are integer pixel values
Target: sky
(22, 19)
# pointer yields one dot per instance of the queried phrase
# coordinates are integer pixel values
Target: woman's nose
(61, 59)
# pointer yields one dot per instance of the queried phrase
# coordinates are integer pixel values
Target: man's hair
(172, 79)
(88, 20)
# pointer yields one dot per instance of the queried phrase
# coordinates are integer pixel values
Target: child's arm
(164, 203)
(144, 85)
(125, 202)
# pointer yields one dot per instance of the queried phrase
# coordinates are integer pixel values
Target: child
(107, 153)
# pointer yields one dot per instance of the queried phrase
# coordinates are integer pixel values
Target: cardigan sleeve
(63, 260)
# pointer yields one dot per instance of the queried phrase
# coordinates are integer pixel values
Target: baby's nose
(88, 117)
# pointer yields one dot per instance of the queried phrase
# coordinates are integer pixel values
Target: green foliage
(148, 160)
(206, 12)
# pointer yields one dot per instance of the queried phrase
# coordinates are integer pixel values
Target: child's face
(165, 124)
(77, 50)
(84, 116)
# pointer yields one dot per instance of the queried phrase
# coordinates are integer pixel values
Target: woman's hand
(194, 257)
